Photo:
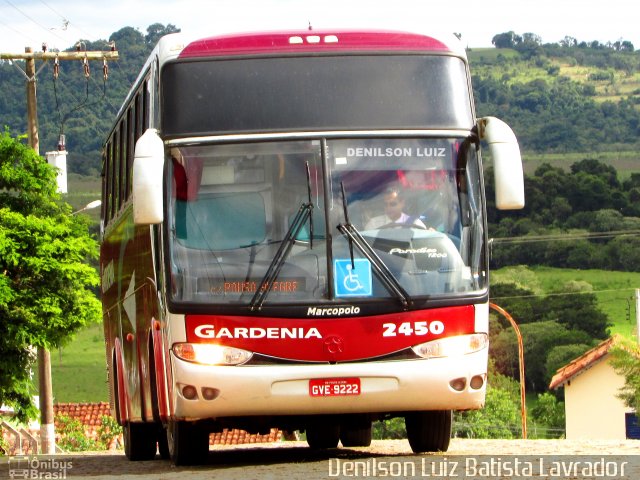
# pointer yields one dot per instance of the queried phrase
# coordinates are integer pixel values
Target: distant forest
(584, 218)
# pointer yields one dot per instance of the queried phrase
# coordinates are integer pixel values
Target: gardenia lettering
(209, 331)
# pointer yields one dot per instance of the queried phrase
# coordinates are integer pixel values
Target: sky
(61, 23)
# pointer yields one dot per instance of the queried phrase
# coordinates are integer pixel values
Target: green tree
(548, 413)
(577, 309)
(561, 355)
(519, 301)
(45, 279)
(539, 339)
(626, 361)
(156, 31)
(506, 40)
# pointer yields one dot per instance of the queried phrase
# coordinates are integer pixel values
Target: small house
(591, 387)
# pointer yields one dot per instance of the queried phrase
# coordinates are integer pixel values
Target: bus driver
(394, 212)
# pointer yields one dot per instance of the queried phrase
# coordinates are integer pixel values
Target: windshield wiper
(304, 214)
(380, 268)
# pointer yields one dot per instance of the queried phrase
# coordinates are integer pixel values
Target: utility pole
(47, 431)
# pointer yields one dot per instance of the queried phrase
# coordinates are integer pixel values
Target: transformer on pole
(58, 159)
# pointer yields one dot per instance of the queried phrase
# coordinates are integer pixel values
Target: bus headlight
(207, 354)
(452, 346)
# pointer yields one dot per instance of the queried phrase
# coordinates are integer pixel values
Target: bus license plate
(334, 387)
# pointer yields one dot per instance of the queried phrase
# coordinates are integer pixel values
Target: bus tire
(140, 441)
(163, 444)
(187, 442)
(429, 431)
(323, 435)
(355, 436)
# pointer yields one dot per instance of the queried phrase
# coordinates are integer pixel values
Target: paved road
(384, 459)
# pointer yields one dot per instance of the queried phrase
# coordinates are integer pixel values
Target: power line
(46, 29)
(54, 10)
(563, 237)
(22, 34)
(65, 21)
(561, 294)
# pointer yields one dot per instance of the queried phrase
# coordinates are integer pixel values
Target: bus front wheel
(188, 443)
(429, 431)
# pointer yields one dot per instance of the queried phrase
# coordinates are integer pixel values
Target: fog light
(477, 381)
(209, 393)
(458, 384)
(189, 392)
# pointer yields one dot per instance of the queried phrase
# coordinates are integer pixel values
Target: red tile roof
(583, 362)
(90, 415)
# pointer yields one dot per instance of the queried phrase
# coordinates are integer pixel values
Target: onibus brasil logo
(32, 467)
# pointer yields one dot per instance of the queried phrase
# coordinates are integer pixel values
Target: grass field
(83, 190)
(614, 290)
(79, 369)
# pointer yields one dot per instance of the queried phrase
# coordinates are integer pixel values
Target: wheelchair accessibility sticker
(352, 282)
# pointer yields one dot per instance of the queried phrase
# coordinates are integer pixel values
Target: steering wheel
(402, 225)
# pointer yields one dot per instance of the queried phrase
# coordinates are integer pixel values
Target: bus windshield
(268, 219)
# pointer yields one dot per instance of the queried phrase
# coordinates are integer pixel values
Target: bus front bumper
(209, 392)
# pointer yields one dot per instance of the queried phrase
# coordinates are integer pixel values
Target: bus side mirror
(507, 163)
(148, 167)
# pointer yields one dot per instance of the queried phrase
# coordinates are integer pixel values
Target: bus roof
(306, 41)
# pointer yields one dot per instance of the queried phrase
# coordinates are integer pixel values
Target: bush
(391, 429)
(108, 430)
(4, 446)
(73, 435)
(548, 415)
(500, 418)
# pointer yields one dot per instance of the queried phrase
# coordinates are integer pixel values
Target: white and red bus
(254, 273)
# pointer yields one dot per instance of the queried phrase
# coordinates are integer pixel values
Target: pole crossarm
(94, 55)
